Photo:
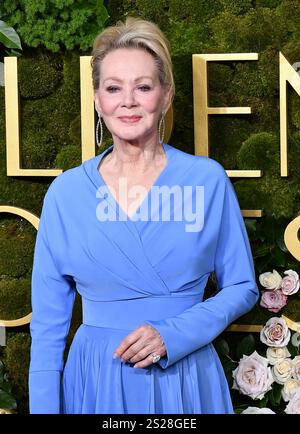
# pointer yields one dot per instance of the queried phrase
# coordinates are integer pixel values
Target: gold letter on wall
(34, 220)
(291, 238)
(286, 74)
(13, 153)
(202, 110)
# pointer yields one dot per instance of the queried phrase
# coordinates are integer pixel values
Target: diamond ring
(155, 357)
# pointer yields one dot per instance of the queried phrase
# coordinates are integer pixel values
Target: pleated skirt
(95, 383)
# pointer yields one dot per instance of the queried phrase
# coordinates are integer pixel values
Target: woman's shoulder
(206, 165)
(67, 182)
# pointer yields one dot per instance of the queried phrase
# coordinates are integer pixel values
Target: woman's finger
(141, 348)
(145, 332)
(148, 360)
(127, 342)
(145, 350)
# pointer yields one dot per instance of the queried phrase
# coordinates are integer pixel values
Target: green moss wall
(50, 119)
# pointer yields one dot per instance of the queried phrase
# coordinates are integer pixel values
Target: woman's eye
(111, 89)
(144, 88)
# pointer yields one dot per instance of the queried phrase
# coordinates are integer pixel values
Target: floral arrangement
(274, 377)
(278, 289)
(8, 403)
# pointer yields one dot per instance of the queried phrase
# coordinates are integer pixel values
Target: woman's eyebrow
(118, 79)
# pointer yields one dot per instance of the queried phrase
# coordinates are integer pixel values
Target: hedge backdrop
(54, 33)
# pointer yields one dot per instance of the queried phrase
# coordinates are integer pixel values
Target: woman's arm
(238, 292)
(52, 299)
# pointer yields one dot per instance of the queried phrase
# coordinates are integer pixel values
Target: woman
(140, 263)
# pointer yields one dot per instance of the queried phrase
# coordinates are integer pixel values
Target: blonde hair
(134, 33)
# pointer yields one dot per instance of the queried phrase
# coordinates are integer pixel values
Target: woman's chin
(132, 137)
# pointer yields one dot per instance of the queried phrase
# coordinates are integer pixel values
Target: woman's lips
(130, 119)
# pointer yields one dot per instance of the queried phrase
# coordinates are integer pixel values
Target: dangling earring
(161, 128)
(99, 123)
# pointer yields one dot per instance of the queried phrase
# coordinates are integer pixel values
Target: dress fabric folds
(147, 269)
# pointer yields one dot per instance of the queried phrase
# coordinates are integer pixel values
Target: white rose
(253, 377)
(275, 333)
(270, 280)
(290, 283)
(293, 406)
(277, 354)
(282, 371)
(257, 410)
(296, 370)
(290, 387)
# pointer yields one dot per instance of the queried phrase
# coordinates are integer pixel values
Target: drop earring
(161, 128)
(99, 124)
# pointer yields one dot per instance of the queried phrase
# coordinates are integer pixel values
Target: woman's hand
(139, 344)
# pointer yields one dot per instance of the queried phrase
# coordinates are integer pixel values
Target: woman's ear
(168, 99)
(97, 103)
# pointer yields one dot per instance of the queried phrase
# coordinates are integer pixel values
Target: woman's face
(129, 87)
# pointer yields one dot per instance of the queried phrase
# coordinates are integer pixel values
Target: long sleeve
(237, 288)
(52, 299)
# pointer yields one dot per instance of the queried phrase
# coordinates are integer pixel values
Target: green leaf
(262, 250)
(102, 12)
(281, 244)
(262, 403)
(222, 347)
(2, 376)
(238, 410)
(7, 400)
(278, 258)
(241, 407)
(270, 228)
(228, 366)
(294, 344)
(246, 346)
(6, 386)
(292, 349)
(263, 264)
(275, 394)
(9, 37)
(250, 225)
(13, 52)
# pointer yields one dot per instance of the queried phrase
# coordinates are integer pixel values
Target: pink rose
(296, 370)
(253, 377)
(274, 301)
(290, 283)
(275, 333)
(293, 406)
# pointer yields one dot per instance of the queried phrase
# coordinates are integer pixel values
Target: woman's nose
(128, 98)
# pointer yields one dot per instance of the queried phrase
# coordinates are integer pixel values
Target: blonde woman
(136, 231)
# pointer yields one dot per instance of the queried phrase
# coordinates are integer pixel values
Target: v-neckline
(167, 149)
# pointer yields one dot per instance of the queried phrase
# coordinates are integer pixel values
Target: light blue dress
(130, 272)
